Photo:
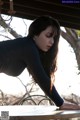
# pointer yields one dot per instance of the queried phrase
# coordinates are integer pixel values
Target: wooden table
(35, 112)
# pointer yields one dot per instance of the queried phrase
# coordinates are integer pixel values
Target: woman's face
(45, 39)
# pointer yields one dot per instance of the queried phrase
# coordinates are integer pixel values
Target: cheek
(42, 41)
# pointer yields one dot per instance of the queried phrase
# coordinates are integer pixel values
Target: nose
(51, 41)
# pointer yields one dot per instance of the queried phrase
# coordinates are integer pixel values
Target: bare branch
(5, 36)
(10, 30)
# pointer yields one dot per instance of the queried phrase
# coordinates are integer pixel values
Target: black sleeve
(33, 62)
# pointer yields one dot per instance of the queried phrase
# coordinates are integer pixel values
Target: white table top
(41, 111)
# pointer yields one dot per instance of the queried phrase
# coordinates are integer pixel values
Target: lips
(48, 47)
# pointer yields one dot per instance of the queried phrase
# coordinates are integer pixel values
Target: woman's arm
(35, 67)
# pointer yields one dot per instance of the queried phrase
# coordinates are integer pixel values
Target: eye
(49, 35)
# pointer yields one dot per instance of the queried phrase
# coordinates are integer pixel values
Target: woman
(38, 53)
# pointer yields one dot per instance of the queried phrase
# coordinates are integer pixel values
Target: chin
(46, 50)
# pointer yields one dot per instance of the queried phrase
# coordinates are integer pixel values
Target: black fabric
(21, 53)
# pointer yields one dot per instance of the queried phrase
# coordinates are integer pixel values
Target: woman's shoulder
(29, 42)
(30, 47)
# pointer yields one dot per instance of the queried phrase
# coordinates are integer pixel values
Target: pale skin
(45, 39)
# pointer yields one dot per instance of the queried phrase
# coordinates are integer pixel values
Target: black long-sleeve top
(21, 53)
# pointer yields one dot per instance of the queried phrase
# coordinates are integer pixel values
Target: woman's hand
(69, 106)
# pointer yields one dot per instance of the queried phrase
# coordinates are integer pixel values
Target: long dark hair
(36, 27)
